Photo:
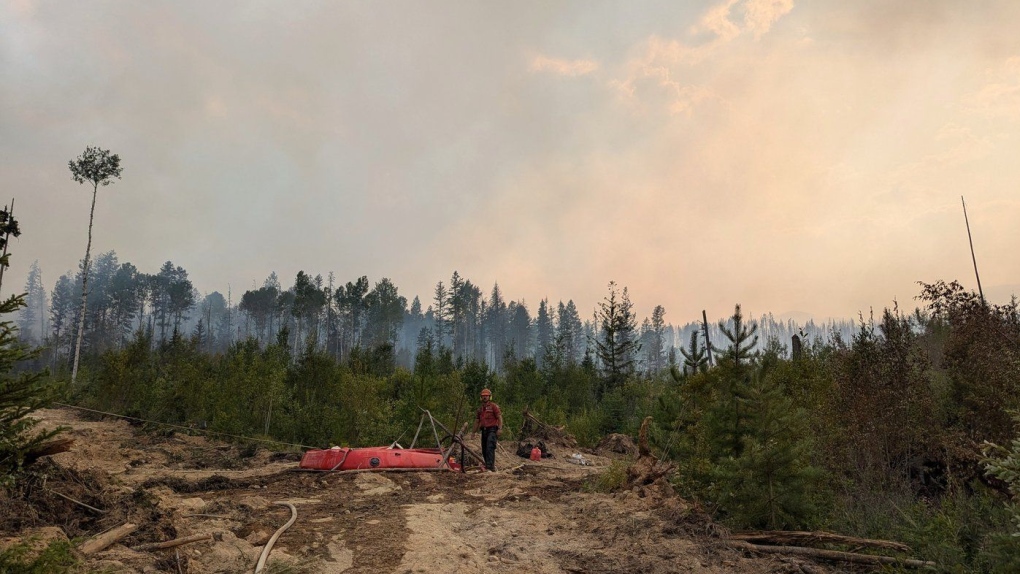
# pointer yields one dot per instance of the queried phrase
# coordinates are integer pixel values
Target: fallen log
(832, 555)
(175, 543)
(48, 449)
(783, 538)
(104, 540)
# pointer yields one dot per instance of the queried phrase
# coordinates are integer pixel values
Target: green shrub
(612, 479)
(23, 558)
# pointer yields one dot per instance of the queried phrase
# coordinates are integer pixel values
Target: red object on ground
(536, 453)
(376, 457)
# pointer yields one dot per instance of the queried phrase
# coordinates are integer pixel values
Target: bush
(612, 479)
(20, 395)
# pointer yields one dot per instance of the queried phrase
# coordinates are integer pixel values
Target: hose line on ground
(269, 545)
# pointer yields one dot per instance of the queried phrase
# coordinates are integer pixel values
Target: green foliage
(728, 416)
(883, 404)
(251, 397)
(586, 426)
(612, 479)
(617, 344)
(962, 532)
(679, 414)
(23, 558)
(20, 395)
(95, 166)
(870, 437)
(1004, 464)
(980, 357)
(770, 483)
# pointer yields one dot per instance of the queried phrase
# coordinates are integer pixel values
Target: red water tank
(536, 453)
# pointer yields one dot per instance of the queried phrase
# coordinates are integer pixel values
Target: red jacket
(488, 415)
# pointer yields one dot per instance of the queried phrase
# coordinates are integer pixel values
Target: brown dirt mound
(617, 443)
(535, 430)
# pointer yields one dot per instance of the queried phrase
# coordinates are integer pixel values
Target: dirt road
(533, 517)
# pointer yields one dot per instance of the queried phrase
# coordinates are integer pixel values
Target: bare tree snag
(648, 475)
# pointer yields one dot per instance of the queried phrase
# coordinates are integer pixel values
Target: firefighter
(490, 420)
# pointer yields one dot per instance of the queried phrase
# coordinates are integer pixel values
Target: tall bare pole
(972, 257)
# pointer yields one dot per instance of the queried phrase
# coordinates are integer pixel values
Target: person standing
(490, 420)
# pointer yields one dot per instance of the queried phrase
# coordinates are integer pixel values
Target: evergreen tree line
(339, 318)
(880, 434)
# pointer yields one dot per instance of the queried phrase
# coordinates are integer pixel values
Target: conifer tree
(770, 482)
(570, 330)
(544, 332)
(97, 167)
(441, 311)
(695, 356)
(743, 339)
(735, 362)
(20, 393)
(32, 318)
(62, 302)
(616, 344)
(657, 340)
(497, 327)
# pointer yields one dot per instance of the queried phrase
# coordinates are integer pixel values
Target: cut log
(831, 555)
(782, 538)
(104, 540)
(48, 449)
(173, 543)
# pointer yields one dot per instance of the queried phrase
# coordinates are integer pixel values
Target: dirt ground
(527, 517)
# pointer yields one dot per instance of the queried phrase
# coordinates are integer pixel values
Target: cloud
(665, 71)
(652, 77)
(572, 68)
(760, 15)
(717, 20)
(1000, 96)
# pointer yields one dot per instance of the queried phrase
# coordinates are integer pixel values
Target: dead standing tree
(97, 167)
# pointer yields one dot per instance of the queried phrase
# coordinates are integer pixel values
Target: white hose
(269, 545)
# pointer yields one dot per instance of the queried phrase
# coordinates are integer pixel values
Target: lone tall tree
(97, 167)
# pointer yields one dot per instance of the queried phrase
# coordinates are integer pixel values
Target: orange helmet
(486, 393)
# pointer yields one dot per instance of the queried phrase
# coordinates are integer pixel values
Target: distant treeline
(897, 428)
(341, 317)
(887, 434)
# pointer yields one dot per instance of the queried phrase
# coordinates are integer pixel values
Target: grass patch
(25, 558)
(612, 479)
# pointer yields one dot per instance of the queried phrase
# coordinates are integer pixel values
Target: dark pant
(489, 447)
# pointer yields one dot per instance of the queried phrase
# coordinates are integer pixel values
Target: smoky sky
(783, 155)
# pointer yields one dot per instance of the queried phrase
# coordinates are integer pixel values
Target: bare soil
(527, 517)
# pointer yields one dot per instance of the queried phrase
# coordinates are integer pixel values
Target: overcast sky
(781, 154)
